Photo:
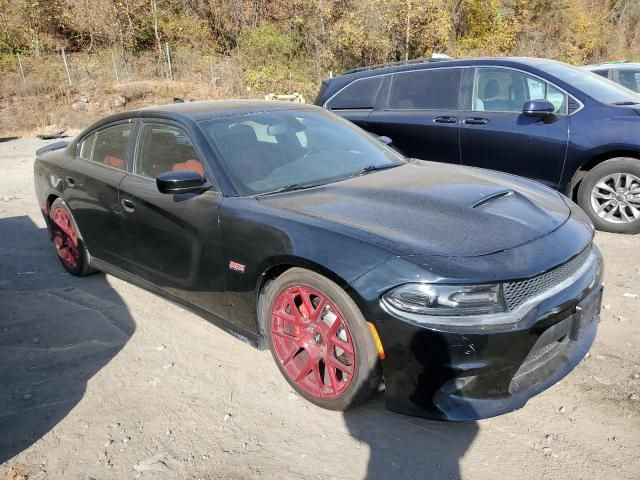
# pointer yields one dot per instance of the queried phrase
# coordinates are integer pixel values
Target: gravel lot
(102, 380)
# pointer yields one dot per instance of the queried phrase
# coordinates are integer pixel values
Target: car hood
(427, 208)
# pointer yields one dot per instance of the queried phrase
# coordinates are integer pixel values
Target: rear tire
(320, 340)
(610, 195)
(66, 238)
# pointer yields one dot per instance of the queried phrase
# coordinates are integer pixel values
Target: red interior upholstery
(194, 165)
(113, 161)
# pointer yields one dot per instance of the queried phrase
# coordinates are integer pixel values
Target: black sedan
(468, 291)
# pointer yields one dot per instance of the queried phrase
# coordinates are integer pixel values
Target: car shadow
(56, 332)
(402, 446)
(409, 447)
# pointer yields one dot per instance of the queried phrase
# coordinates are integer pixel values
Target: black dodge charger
(465, 291)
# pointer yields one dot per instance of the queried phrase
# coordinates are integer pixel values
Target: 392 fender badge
(238, 267)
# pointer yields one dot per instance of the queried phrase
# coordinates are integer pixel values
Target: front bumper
(468, 373)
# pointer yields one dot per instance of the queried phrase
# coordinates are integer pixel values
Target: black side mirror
(538, 108)
(182, 181)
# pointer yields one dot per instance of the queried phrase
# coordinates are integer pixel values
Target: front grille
(519, 291)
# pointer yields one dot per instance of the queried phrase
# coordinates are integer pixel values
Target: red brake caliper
(313, 342)
(65, 237)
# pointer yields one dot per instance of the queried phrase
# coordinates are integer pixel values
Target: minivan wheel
(610, 195)
(320, 340)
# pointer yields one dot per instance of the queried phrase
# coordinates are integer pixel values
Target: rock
(562, 410)
(635, 376)
(621, 318)
(161, 347)
(168, 365)
(126, 439)
(546, 450)
(630, 295)
(119, 101)
(80, 106)
(155, 463)
(607, 307)
(227, 417)
(633, 396)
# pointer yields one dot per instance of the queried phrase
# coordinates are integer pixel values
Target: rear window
(111, 144)
(434, 89)
(358, 94)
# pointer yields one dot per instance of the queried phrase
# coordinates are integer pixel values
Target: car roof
(418, 65)
(612, 65)
(212, 109)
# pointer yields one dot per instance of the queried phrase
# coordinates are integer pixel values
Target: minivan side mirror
(538, 108)
(181, 181)
(386, 140)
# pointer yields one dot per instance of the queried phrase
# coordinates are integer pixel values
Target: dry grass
(45, 98)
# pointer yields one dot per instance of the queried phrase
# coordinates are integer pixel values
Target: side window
(111, 145)
(630, 79)
(433, 89)
(505, 90)
(86, 147)
(558, 98)
(602, 73)
(165, 148)
(359, 94)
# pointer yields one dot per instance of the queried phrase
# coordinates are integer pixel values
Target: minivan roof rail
(436, 57)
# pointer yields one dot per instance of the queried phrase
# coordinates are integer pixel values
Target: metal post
(170, 70)
(66, 67)
(115, 69)
(24, 80)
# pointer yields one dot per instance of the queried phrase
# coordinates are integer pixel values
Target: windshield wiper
(290, 188)
(372, 168)
(626, 102)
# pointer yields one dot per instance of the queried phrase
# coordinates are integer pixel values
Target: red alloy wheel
(65, 237)
(313, 342)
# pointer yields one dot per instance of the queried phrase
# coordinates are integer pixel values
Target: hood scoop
(490, 198)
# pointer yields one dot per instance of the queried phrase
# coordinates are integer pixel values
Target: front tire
(610, 195)
(66, 238)
(320, 340)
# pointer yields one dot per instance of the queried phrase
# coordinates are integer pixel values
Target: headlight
(434, 299)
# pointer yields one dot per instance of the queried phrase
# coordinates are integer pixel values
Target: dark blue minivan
(563, 126)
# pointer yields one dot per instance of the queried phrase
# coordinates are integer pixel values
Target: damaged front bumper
(467, 373)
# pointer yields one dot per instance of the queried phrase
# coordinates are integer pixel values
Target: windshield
(286, 150)
(597, 87)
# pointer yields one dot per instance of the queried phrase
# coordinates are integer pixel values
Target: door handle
(71, 181)
(127, 205)
(476, 121)
(446, 119)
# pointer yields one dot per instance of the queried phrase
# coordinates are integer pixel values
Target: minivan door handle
(476, 121)
(446, 119)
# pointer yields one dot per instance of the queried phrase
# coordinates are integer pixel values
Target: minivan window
(358, 94)
(432, 89)
(601, 89)
(630, 79)
(602, 73)
(507, 90)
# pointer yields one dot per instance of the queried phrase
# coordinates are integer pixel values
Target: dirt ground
(102, 380)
